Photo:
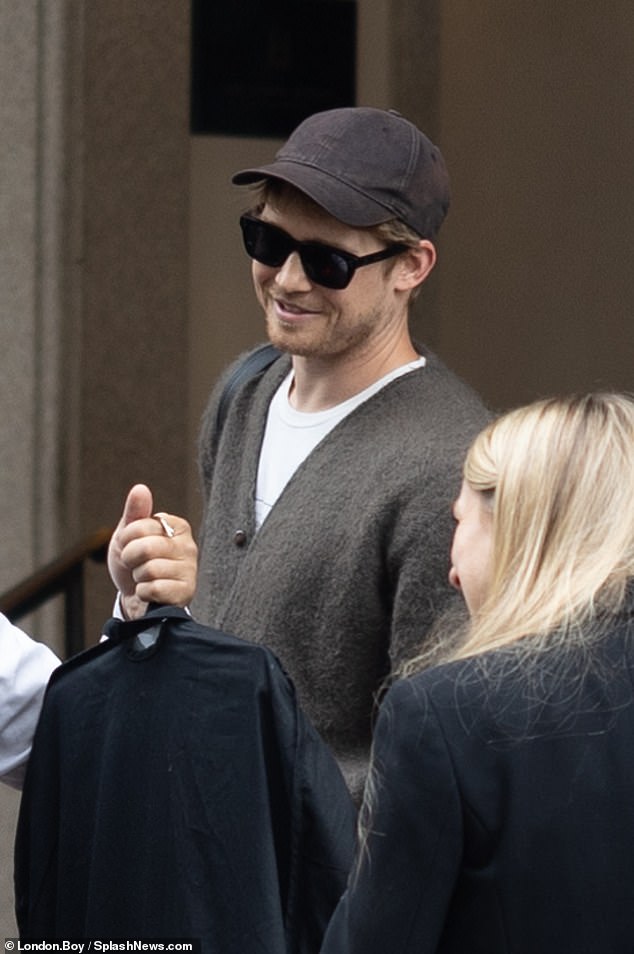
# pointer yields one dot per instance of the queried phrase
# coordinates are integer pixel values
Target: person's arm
(25, 666)
(151, 559)
(400, 889)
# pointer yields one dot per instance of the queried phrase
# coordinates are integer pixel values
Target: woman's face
(472, 545)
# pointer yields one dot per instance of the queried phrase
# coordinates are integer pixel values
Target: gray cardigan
(348, 571)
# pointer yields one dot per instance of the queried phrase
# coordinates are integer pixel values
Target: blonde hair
(559, 477)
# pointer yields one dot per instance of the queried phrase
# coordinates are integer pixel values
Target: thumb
(138, 504)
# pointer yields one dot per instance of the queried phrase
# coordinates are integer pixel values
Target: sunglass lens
(325, 267)
(264, 242)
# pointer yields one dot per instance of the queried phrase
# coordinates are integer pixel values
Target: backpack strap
(258, 360)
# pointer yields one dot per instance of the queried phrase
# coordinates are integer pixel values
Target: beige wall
(134, 291)
(32, 51)
(538, 130)
(93, 283)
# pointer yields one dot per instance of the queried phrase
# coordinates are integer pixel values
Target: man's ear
(414, 265)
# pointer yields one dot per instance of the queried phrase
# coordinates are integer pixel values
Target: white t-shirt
(291, 435)
(25, 667)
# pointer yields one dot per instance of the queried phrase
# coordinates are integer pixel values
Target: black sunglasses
(323, 264)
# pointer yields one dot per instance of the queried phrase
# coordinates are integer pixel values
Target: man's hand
(147, 562)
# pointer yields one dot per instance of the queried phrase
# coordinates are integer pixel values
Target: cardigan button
(239, 538)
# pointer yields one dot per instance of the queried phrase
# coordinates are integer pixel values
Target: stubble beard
(333, 341)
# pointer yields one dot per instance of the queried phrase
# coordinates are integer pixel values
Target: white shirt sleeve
(25, 667)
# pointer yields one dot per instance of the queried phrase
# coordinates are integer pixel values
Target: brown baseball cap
(363, 166)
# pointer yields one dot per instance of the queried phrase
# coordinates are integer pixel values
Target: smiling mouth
(287, 311)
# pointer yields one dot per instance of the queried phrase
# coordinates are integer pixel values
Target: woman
(499, 815)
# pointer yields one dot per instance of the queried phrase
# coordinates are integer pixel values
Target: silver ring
(169, 530)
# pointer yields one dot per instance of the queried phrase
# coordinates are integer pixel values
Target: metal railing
(62, 576)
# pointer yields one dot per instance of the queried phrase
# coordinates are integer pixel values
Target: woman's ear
(414, 265)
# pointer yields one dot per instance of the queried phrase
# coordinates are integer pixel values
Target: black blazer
(179, 792)
(503, 815)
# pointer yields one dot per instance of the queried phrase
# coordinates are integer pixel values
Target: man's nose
(291, 274)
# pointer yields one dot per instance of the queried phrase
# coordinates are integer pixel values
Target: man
(151, 559)
(328, 484)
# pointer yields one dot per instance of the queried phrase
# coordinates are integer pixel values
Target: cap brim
(341, 200)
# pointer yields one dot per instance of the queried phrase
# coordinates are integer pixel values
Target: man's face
(307, 319)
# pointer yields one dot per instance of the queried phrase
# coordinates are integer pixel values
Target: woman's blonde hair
(559, 478)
